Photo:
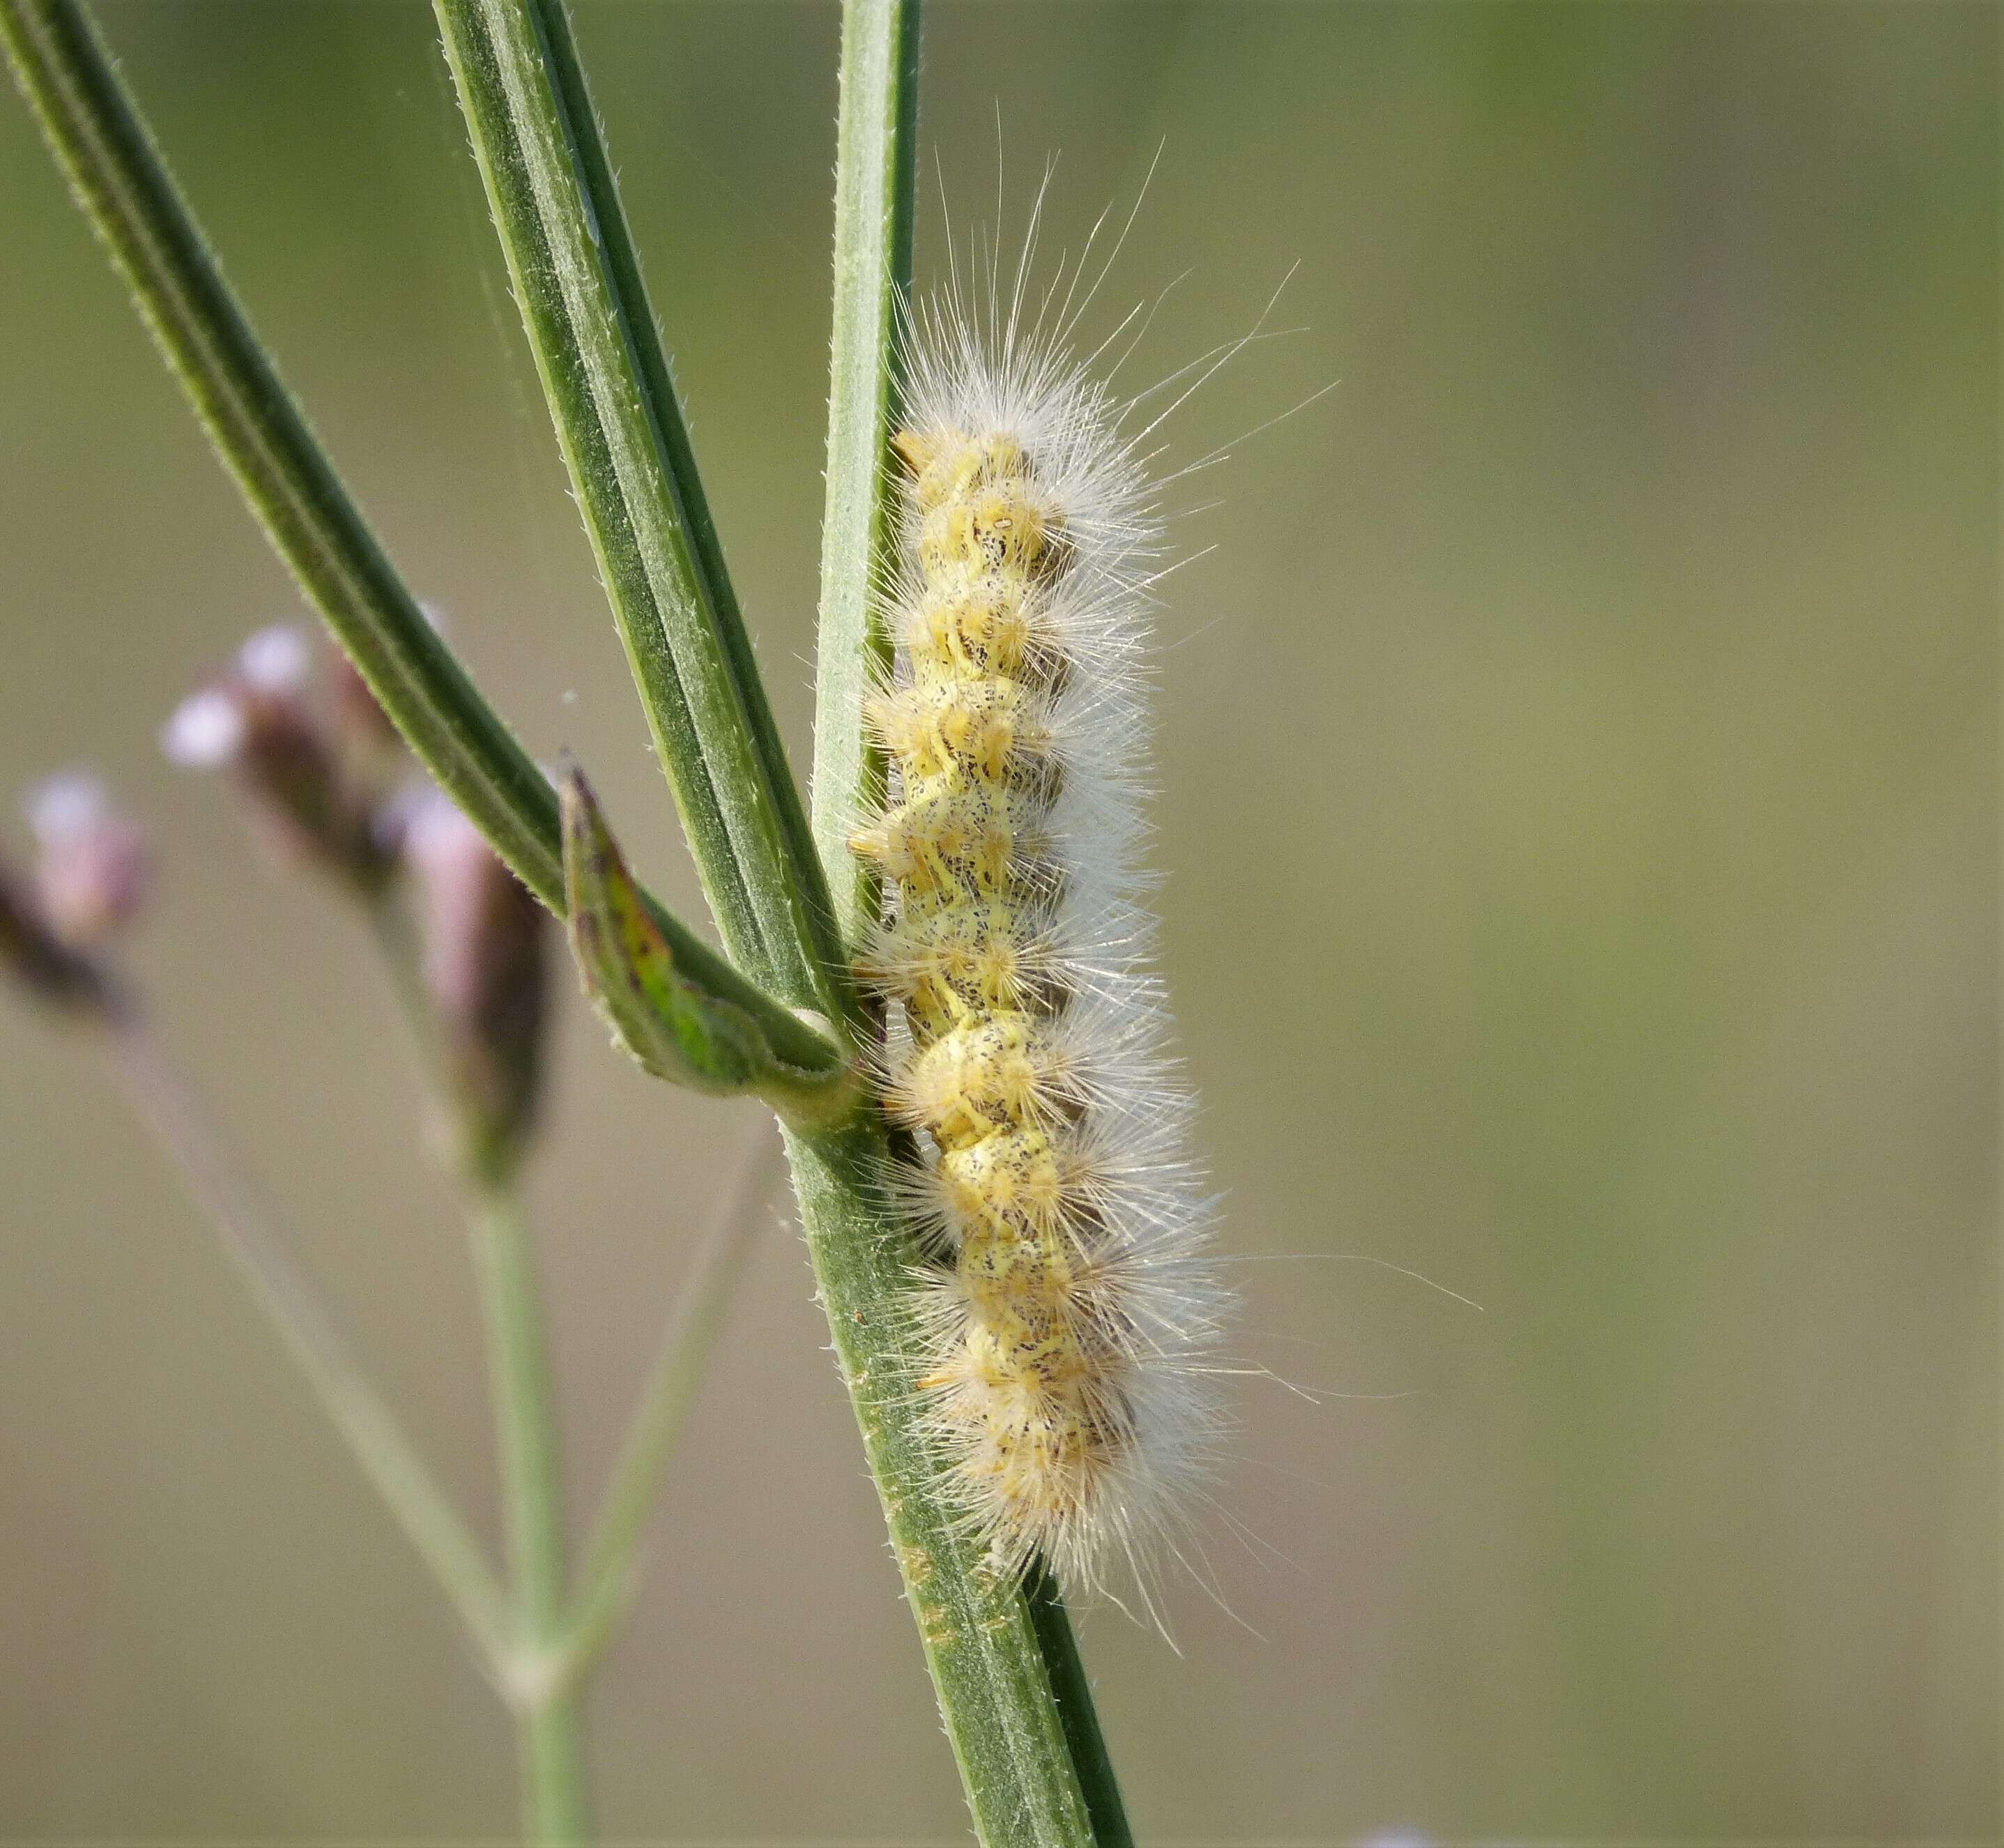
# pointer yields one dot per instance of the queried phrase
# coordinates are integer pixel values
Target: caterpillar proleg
(1066, 1334)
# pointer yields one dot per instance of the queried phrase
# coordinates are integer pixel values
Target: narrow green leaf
(672, 1027)
(623, 262)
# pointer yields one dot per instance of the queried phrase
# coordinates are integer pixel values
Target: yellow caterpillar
(1065, 1336)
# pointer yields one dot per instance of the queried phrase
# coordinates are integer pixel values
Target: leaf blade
(670, 1026)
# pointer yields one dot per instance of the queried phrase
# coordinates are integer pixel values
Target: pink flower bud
(258, 721)
(32, 954)
(357, 713)
(485, 965)
(94, 870)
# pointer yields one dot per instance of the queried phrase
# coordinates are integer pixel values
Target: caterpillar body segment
(1065, 1336)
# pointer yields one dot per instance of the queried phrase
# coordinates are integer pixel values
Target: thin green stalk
(994, 1691)
(555, 1807)
(165, 1103)
(612, 1559)
(100, 141)
(540, 1688)
(876, 143)
(1072, 1693)
(578, 283)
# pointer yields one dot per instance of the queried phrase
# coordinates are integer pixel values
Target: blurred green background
(1579, 792)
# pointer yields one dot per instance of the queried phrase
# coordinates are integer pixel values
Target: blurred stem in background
(90, 881)
(470, 980)
(611, 1572)
(555, 1808)
(482, 1052)
(164, 1102)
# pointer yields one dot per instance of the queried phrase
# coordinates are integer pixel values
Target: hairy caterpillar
(1065, 1336)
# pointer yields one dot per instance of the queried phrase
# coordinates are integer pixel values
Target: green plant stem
(995, 1694)
(166, 1105)
(612, 1560)
(541, 1689)
(1072, 1693)
(577, 281)
(100, 141)
(875, 158)
(546, 1704)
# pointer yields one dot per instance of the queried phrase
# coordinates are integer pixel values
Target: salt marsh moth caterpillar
(1066, 1338)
